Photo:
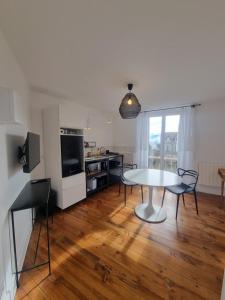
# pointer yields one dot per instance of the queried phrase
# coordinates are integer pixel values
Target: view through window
(163, 133)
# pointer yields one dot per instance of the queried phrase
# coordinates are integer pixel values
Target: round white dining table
(151, 178)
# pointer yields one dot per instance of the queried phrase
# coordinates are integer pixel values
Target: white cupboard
(70, 189)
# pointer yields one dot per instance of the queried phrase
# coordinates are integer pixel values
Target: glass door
(155, 134)
(163, 133)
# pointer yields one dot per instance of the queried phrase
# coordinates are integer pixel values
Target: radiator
(208, 173)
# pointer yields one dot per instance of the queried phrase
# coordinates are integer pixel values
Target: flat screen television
(29, 154)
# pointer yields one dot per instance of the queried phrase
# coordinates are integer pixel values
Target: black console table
(35, 194)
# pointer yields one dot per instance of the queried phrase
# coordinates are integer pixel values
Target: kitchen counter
(102, 171)
(101, 157)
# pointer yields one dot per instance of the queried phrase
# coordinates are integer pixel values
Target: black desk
(32, 196)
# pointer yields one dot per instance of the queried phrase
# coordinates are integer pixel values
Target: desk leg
(149, 212)
(47, 227)
(14, 248)
(32, 213)
(37, 245)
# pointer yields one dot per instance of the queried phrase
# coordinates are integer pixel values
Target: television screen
(31, 152)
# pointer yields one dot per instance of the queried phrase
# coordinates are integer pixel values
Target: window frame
(163, 114)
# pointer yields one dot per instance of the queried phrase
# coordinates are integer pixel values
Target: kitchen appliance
(72, 151)
(91, 184)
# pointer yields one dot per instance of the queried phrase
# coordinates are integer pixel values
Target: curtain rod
(175, 107)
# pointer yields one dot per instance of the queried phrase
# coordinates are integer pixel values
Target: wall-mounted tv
(29, 154)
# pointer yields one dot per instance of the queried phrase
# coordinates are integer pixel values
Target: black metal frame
(124, 182)
(175, 107)
(187, 188)
(107, 161)
(17, 272)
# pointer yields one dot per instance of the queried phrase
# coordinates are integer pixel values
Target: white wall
(12, 179)
(124, 132)
(37, 127)
(210, 132)
(124, 137)
(210, 135)
(72, 115)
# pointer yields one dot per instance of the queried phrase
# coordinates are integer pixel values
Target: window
(163, 133)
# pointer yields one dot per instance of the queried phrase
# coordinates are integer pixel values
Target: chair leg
(178, 198)
(183, 199)
(142, 196)
(125, 194)
(196, 201)
(164, 192)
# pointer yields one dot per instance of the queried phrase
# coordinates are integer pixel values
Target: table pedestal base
(149, 213)
(157, 215)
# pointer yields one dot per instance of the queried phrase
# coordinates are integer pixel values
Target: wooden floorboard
(101, 250)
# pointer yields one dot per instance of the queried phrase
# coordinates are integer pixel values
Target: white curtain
(142, 140)
(185, 143)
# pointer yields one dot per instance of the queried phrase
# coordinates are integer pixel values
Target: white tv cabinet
(70, 189)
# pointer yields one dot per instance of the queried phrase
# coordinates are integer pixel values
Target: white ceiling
(88, 50)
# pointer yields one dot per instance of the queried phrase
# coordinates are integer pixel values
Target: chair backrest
(189, 175)
(127, 167)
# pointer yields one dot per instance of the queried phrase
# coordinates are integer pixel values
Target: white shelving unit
(9, 106)
(70, 189)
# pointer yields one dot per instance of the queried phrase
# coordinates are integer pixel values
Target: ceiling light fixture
(129, 107)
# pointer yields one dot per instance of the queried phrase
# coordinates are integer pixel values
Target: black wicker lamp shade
(129, 107)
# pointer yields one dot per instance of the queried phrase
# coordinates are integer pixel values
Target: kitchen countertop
(101, 157)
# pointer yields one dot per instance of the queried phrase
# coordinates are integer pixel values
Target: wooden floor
(101, 250)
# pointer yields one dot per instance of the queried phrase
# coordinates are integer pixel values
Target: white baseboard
(209, 189)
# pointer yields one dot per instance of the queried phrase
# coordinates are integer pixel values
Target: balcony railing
(170, 163)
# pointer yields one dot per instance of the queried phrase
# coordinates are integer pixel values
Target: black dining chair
(184, 188)
(125, 182)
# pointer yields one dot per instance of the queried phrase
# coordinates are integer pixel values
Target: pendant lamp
(129, 107)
